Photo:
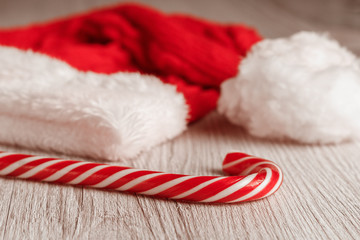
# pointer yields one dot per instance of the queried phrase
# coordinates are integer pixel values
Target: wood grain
(320, 195)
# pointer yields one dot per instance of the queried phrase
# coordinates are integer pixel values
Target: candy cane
(259, 177)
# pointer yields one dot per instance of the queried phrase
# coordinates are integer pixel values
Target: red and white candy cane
(258, 178)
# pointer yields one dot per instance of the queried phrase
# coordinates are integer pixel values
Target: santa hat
(114, 82)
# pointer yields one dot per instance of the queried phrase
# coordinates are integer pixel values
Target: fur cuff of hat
(46, 104)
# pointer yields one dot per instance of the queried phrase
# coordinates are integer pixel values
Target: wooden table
(320, 195)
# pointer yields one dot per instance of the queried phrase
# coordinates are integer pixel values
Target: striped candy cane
(258, 178)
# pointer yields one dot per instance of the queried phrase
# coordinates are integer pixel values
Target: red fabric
(195, 55)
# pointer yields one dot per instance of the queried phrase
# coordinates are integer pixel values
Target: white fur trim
(46, 104)
(304, 88)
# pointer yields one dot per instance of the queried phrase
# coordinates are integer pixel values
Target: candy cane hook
(257, 178)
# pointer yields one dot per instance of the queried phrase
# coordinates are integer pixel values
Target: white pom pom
(305, 88)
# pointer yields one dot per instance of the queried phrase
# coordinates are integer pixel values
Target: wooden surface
(320, 195)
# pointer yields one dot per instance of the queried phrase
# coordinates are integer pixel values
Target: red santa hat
(114, 82)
